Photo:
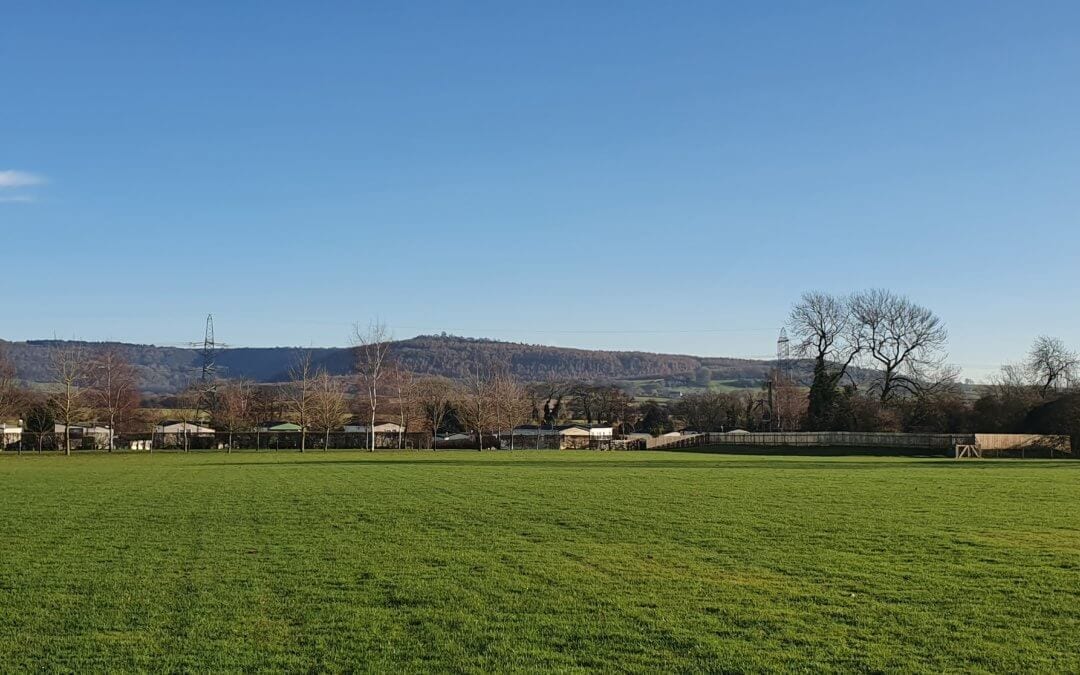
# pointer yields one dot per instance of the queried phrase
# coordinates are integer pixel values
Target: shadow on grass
(775, 463)
(789, 451)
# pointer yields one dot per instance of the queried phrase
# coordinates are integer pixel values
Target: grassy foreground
(537, 561)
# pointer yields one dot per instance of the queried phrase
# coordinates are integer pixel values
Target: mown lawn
(537, 561)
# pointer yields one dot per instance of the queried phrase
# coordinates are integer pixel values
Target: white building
(386, 428)
(569, 435)
(80, 432)
(9, 434)
(599, 432)
(171, 427)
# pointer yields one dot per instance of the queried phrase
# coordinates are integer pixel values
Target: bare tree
(624, 413)
(299, 394)
(266, 405)
(68, 367)
(1052, 365)
(475, 408)
(12, 396)
(903, 341)
(404, 386)
(187, 411)
(113, 388)
(11, 392)
(331, 406)
(822, 326)
(372, 347)
(234, 407)
(435, 397)
(39, 419)
(548, 403)
(512, 404)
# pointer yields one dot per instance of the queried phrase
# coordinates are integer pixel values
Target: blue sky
(657, 176)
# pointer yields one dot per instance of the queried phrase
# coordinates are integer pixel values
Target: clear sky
(645, 175)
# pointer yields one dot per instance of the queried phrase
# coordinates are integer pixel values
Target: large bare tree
(113, 388)
(904, 342)
(822, 326)
(331, 406)
(372, 347)
(68, 374)
(1052, 365)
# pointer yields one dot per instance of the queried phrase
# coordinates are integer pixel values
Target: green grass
(537, 561)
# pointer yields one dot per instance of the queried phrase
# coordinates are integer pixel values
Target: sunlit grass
(538, 561)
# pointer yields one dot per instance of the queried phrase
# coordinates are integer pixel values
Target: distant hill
(168, 369)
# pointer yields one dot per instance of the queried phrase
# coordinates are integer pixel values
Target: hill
(168, 369)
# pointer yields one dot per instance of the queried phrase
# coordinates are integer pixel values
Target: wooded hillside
(168, 369)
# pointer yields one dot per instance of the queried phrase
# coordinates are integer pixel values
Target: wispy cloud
(11, 178)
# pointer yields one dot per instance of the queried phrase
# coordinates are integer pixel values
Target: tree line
(906, 383)
(878, 362)
(88, 385)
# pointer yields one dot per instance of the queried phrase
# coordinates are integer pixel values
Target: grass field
(537, 561)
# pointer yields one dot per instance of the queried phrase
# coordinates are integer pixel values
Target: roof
(380, 426)
(85, 428)
(280, 425)
(188, 426)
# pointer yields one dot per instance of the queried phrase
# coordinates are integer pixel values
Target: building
(563, 436)
(601, 432)
(174, 427)
(84, 435)
(10, 434)
(174, 433)
(279, 426)
(385, 428)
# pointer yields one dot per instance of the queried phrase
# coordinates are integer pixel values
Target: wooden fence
(843, 439)
(936, 443)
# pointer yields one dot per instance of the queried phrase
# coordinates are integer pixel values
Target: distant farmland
(537, 561)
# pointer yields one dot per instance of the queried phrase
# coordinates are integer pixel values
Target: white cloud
(16, 179)
(23, 199)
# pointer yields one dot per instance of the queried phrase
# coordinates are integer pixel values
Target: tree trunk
(303, 438)
(372, 429)
(229, 451)
(326, 440)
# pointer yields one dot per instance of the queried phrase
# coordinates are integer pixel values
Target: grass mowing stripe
(537, 561)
